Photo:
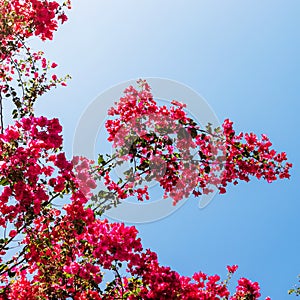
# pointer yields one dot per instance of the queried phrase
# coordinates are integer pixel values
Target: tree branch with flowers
(64, 253)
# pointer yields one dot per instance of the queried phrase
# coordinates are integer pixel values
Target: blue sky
(243, 58)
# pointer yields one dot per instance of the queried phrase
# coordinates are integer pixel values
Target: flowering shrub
(65, 253)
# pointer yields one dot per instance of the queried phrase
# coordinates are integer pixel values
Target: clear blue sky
(243, 57)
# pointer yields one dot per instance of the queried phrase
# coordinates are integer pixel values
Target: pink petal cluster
(32, 170)
(32, 17)
(166, 145)
(24, 73)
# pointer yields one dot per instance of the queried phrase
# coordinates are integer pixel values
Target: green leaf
(209, 128)
(67, 275)
(4, 181)
(3, 267)
(100, 159)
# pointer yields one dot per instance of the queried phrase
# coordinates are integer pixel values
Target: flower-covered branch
(48, 252)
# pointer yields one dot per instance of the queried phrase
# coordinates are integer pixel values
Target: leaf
(100, 159)
(11, 273)
(144, 165)
(203, 156)
(207, 169)
(4, 181)
(193, 132)
(209, 128)
(246, 153)
(3, 267)
(182, 134)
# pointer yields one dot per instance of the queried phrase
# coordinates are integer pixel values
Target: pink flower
(232, 269)
(13, 233)
(53, 65)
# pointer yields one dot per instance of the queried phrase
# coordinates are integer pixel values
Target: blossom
(232, 269)
(141, 131)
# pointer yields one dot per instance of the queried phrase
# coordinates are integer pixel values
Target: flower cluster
(80, 253)
(166, 145)
(33, 171)
(248, 155)
(82, 171)
(68, 252)
(33, 17)
(23, 73)
(247, 290)
(31, 74)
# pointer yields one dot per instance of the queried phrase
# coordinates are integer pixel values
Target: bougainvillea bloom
(49, 210)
